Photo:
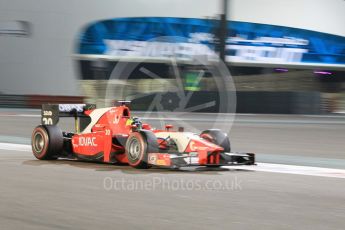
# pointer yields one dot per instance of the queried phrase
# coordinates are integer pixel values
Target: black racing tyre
(47, 142)
(138, 145)
(217, 137)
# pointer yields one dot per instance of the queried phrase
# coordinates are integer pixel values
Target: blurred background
(280, 64)
(285, 57)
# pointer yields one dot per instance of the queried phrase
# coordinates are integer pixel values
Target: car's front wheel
(138, 145)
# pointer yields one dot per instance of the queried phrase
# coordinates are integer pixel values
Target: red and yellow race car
(112, 135)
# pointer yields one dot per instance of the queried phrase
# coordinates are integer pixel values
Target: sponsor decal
(70, 107)
(87, 141)
(275, 49)
(197, 146)
(161, 159)
(47, 113)
(152, 158)
(163, 162)
(194, 160)
(192, 146)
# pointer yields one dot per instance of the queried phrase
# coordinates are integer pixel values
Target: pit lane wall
(36, 101)
(266, 102)
(272, 102)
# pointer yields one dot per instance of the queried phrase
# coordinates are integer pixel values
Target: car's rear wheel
(138, 145)
(47, 142)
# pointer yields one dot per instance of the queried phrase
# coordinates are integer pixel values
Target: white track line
(293, 169)
(15, 147)
(262, 167)
(19, 115)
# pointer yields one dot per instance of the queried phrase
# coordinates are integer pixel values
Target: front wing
(176, 160)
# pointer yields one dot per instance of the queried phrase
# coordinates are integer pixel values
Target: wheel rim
(134, 149)
(39, 142)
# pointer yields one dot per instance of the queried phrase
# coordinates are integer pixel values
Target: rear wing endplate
(51, 113)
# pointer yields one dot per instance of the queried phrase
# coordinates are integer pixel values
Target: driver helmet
(137, 122)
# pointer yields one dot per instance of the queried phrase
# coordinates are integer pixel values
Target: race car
(112, 135)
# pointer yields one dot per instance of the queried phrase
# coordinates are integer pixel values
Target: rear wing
(51, 113)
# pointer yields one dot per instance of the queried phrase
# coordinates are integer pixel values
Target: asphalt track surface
(78, 195)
